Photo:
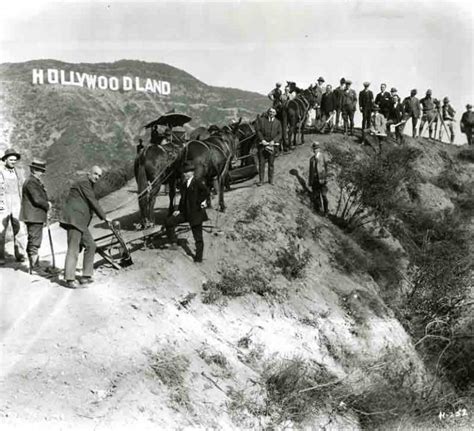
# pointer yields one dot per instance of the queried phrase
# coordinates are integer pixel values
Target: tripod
(437, 120)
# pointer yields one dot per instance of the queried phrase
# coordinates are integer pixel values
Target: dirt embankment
(168, 344)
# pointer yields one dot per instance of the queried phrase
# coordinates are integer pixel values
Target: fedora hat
(39, 165)
(320, 79)
(11, 152)
(188, 166)
(376, 107)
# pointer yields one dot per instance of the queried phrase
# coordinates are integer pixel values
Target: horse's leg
(172, 194)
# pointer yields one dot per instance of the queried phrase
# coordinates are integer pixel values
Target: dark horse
(294, 115)
(156, 165)
(212, 157)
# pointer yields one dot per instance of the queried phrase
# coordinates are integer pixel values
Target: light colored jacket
(3, 191)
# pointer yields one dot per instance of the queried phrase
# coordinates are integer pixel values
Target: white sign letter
(91, 80)
(38, 77)
(114, 83)
(53, 76)
(165, 87)
(102, 83)
(127, 83)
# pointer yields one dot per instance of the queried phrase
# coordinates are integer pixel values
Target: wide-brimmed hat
(468, 106)
(11, 152)
(393, 90)
(320, 79)
(315, 144)
(39, 165)
(188, 166)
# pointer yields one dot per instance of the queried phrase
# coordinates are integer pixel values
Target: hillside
(73, 127)
(293, 321)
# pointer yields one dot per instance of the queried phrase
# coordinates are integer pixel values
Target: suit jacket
(317, 169)
(269, 131)
(80, 206)
(328, 103)
(190, 202)
(349, 103)
(366, 100)
(318, 92)
(396, 113)
(467, 119)
(412, 106)
(34, 202)
(338, 97)
(384, 100)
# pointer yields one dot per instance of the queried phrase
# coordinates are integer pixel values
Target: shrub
(467, 154)
(448, 180)
(292, 260)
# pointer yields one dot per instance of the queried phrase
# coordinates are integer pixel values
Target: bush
(448, 180)
(292, 260)
(467, 154)
(234, 283)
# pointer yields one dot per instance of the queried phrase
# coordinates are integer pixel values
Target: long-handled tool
(52, 269)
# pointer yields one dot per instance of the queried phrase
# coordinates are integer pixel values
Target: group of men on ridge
(380, 112)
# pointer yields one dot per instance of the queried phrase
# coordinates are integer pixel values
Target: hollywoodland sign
(101, 82)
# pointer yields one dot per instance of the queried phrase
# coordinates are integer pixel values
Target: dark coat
(80, 206)
(338, 98)
(34, 202)
(269, 131)
(412, 106)
(317, 170)
(467, 119)
(190, 202)
(328, 103)
(349, 102)
(384, 100)
(366, 100)
(396, 113)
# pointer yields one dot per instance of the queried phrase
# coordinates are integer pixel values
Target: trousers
(35, 238)
(263, 158)
(77, 240)
(173, 221)
(18, 229)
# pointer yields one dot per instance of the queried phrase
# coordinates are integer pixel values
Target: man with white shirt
(191, 209)
(269, 135)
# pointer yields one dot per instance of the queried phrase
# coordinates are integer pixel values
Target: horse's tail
(284, 124)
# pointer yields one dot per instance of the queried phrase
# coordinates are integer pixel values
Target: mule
(294, 114)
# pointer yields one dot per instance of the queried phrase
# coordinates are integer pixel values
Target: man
(328, 109)
(378, 123)
(338, 98)
(191, 209)
(384, 101)
(366, 101)
(11, 183)
(276, 96)
(412, 109)
(467, 123)
(397, 118)
(34, 209)
(269, 136)
(317, 179)
(448, 113)
(77, 214)
(349, 106)
(318, 91)
(429, 113)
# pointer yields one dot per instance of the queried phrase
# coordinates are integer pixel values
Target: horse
(156, 165)
(294, 115)
(212, 158)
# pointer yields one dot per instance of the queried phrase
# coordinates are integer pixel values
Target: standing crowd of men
(342, 102)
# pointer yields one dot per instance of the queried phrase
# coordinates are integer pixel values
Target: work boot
(72, 284)
(86, 280)
(33, 262)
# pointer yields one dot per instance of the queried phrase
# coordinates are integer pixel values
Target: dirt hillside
(169, 344)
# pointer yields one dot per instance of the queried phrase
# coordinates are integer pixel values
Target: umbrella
(171, 120)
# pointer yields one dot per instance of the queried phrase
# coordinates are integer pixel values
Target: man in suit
(317, 179)
(467, 123)
(412, 109)
(269, 136)
(191, 209)
(384, 101)
(318, 91)
(328, 108)
(78, 210)
(11, 184)
(349, 106)
(366, 101)
(34, 209)
(338, 98)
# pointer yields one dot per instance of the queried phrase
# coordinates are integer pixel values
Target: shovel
(52, 269)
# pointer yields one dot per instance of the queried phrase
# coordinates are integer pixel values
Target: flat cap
(348, 81)
(468, 106)
(315, 144)
(342, 80)
(393, 90)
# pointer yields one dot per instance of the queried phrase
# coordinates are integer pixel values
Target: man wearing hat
(429, 113)
(318, 92)
(80, 205)
(276, 96)
(378, 123)
(269, 134)
(328, 109)
(317, 179)
(11, 183)
(194, 193)
(467, 123)
(349, 106)
(34, 209)
(384, 101)
(366, 101)
(338, 98)
(412, 109)
(447, 112)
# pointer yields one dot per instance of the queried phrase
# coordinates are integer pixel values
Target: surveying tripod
(437, 120)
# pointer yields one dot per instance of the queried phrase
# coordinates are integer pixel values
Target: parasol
(171, 120)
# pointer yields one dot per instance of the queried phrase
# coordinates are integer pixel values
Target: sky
(251, 45)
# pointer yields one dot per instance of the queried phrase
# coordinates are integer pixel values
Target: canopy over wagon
(169, 120)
